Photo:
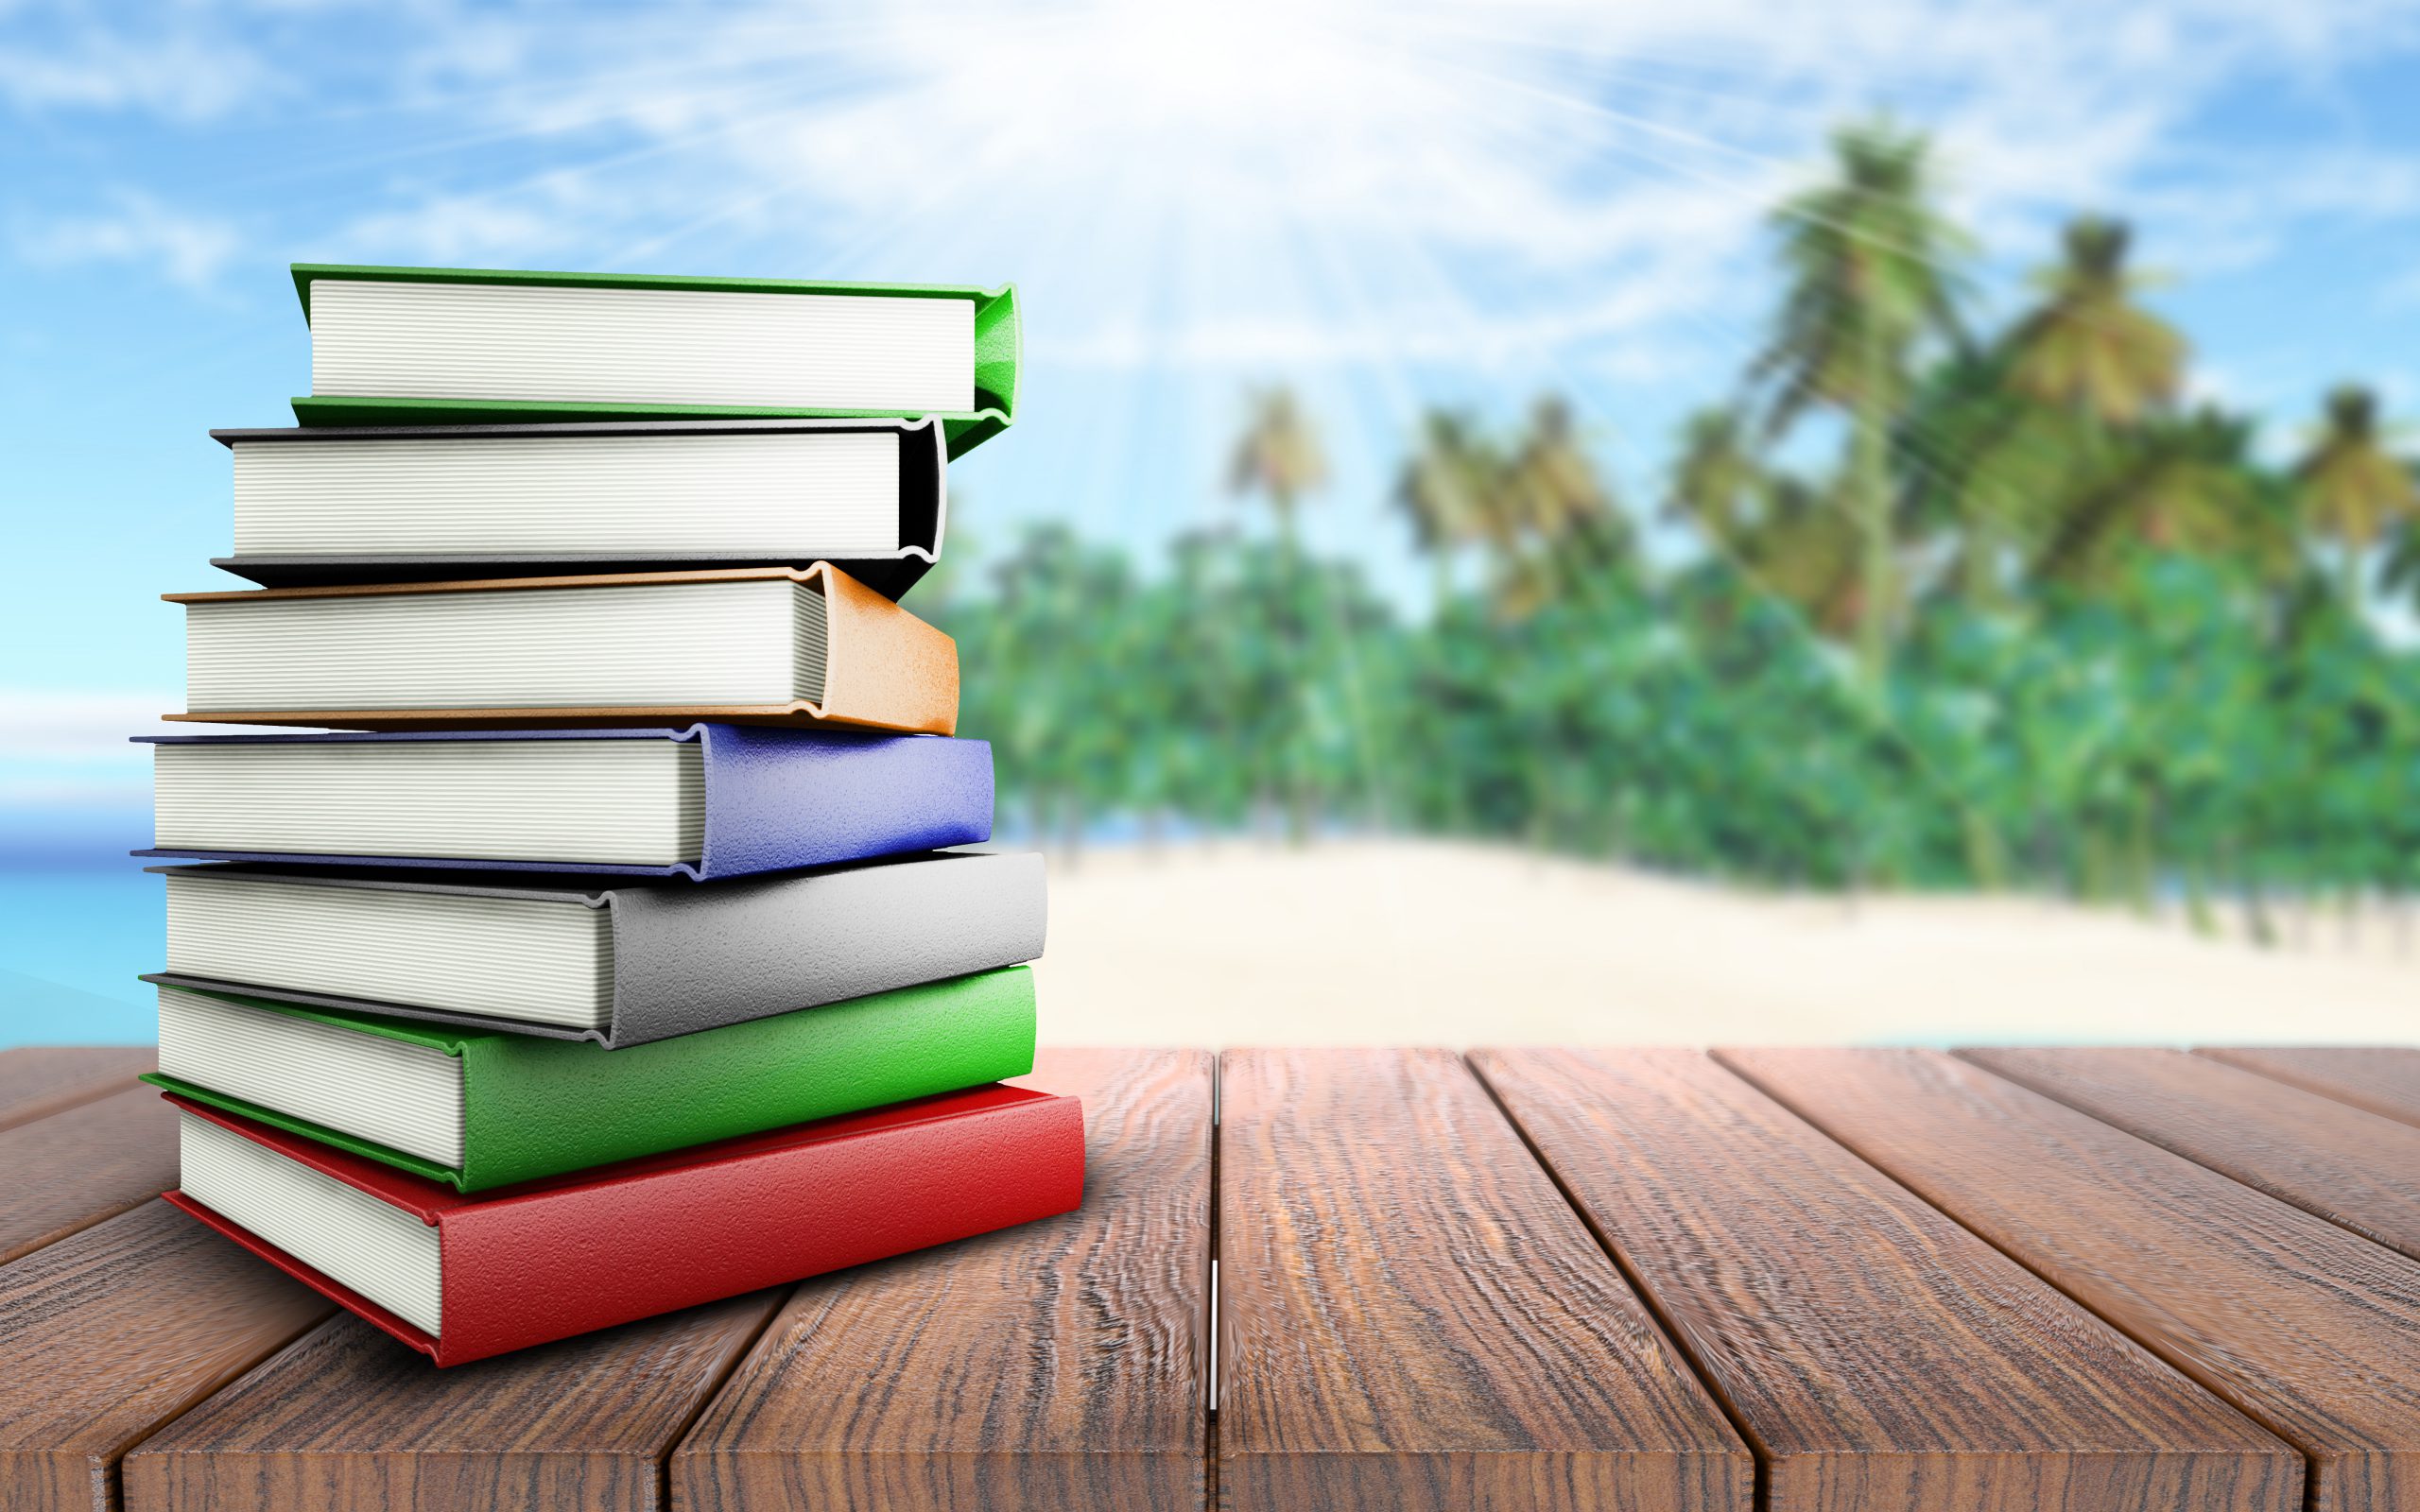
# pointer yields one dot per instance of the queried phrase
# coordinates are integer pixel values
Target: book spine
(884, 667)
(520, 1271)
(999, 349)
(924, 496)
(538, 1107)
(692, 958)
(777, 801)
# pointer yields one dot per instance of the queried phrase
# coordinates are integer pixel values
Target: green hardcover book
(465, 346)
(481, 1109)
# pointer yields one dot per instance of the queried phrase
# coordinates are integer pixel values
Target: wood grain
(1869, 1347)
(91, 1161)
(116, 1330)
(349, 1418)
(1059, 1364)
(2353, 1168)
(2310, 1330)
(1412, 1316)
(2381, 1079)
(39, 1081)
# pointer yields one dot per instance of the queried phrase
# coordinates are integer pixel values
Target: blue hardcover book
(705, 802)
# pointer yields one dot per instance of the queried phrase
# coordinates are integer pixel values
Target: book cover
(537, 1107)
(549, 1258)
(687, 959)
(775, 800)
(884, 669)
(998, 352)
(924, 510)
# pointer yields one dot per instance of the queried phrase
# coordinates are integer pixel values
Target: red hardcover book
(548, 1259)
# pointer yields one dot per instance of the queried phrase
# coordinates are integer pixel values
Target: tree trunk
(1870, 485)
(2197, 901)
(2264, 926)
(1986, 858)
(1295, 763)
(2093, 863)
(1979, 562)
(2142, 859)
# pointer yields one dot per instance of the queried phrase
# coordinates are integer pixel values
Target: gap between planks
(2049, 1278)
(1127, 1427)
(2181, 1433)
(706, 1398)
(660, 1483)
(2290, 1410)
(1212, 1294)
(1760, 1491)
(104, 1070)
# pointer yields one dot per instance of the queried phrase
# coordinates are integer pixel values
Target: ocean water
(73, 940)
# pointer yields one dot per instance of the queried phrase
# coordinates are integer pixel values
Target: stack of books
(609, 953)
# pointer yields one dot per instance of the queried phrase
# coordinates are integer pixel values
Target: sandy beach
(1420, 942)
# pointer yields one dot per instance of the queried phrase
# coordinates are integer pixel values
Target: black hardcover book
(317, 506)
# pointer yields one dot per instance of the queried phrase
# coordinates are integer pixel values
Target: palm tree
(1972, 458)
(1449, 489)
(1719, 484)
(1555, 522)
(2350, 487)
(2088, 347)
(2401, 572)
(2028, 443)
(2175, 483)
(1806, 551)
(1553, 487)
(1867, 259)
(1278, 456)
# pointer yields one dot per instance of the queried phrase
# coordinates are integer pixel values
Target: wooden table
(1655, 1281)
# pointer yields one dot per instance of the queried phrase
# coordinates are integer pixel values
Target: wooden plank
(91, 1161)
(1871, 1349)
(2351, 1167)
(2313, 1332)
(39, 1081)
(2382, 1079)
(1060, 1365)
(349, 1418)
(1412, 1316)
(116, 1330)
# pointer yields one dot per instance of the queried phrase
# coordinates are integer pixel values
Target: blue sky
(1386, 205)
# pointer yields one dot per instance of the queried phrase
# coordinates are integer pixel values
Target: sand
(1420, 942)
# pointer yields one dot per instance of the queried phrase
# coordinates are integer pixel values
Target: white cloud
(72, 790)
(1341, 181)
(52, 724)
(65, 747)
(1346, 182)
(183, 70)
(463, 230)
(74, 748)
(1358, 181)
(184, 248)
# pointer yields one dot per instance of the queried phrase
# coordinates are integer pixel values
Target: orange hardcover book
(764, 646)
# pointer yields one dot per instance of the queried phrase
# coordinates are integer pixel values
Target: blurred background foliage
(1974, 603)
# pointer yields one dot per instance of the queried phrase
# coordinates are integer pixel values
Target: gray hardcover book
(570, 957)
